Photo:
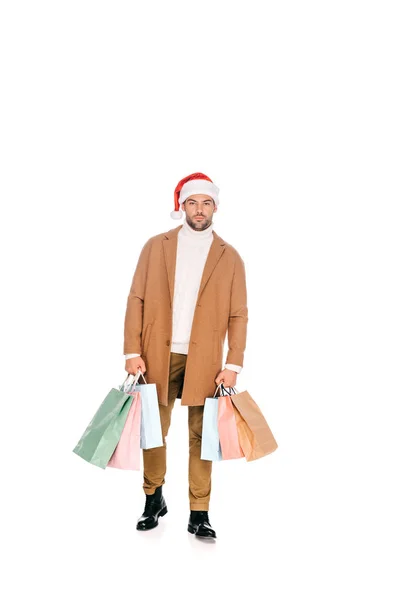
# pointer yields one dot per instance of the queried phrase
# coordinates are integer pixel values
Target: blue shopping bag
(150, 424)
(210, 444)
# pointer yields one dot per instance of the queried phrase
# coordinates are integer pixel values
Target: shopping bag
(127, 453)
(246, 438)
(150, 427)
(255, 436)
(210, 444)
(227, 429)
(102, 435)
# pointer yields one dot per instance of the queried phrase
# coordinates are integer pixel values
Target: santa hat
(196, 183)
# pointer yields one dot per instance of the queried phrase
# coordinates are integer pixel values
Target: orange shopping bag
(255, 436)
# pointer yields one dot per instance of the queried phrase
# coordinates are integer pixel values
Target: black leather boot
(155, 507)
(200, 525)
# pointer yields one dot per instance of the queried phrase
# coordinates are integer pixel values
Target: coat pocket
(146, 337)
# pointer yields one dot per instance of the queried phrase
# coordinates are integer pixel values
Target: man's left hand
(227, 377)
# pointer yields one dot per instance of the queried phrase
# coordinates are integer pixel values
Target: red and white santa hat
(196, 183)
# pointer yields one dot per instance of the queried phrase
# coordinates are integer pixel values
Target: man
(187, 293)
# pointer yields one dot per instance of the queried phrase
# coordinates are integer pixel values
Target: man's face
(199, 210)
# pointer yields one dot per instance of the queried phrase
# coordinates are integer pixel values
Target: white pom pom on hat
(196, 183)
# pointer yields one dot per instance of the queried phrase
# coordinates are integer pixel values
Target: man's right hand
(133, 364)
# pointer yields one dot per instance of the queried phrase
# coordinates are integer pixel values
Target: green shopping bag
(103, 433)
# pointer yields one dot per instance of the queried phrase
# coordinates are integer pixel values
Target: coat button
(168, 342)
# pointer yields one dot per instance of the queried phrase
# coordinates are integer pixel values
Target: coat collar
(170, 243)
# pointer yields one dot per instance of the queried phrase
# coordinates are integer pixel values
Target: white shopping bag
(210, 444)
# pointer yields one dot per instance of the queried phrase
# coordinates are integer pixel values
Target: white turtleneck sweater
(191, 255)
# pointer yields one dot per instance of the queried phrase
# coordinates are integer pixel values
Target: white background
(292, 108)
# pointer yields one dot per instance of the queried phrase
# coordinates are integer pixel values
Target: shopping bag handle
(224, 389)
(217, 388)
(135, 379)
(229, 388)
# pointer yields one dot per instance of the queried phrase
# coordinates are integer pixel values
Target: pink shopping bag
(127, 453)
(227, 429)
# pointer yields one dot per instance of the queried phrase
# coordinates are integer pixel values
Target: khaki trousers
(155, 459)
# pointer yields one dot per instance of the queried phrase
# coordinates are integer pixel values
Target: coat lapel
(216, 250)
(170, 244)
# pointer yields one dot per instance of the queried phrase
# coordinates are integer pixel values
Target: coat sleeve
(133, 323)
(238, 316)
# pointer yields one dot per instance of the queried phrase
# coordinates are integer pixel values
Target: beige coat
(221, 308)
